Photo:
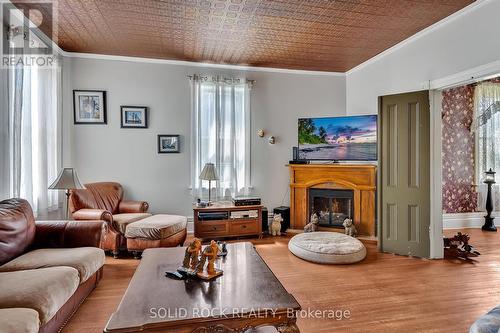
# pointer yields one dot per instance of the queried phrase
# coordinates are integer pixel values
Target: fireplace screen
(331, 206)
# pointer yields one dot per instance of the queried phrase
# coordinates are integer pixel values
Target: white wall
(129, 156)
(461, 44)
(468, 40)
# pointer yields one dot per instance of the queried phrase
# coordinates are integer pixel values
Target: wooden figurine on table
(191, 257)
(209, 253)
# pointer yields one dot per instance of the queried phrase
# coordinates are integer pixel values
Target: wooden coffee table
(246, 296)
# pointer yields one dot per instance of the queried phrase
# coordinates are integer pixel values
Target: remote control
(174, 275)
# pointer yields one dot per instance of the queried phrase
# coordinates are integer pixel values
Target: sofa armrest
(61, 234)
(92, 214)
(128, 206)
(96, 214)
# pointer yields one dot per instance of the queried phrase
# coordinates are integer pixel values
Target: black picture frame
(76, 118)
(143, 109)
(162, 150)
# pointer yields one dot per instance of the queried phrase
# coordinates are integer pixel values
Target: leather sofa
(104, 201)
(46, 268)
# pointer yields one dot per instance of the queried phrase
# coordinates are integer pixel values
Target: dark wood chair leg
(137, 254)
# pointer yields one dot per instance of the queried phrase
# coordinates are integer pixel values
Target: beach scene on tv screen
(341, 138)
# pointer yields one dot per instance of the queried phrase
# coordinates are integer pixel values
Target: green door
(404, 164)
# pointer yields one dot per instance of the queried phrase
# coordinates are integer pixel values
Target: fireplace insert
(331, 206)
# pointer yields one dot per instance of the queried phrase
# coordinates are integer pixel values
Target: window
(487, 118)
(30, 134)
(220, 134)
(487, 105)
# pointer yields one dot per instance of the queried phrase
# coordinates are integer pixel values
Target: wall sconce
(261, 133)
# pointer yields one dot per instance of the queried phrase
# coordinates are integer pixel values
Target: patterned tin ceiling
(324, 35)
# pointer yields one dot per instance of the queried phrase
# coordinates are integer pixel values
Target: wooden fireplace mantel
(357, 177)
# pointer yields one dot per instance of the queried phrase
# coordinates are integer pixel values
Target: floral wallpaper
(459, 196)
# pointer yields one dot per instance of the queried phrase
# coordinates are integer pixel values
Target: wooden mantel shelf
(360, 178)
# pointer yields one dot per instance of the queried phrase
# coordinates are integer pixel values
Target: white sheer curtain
(4, 133)
(220, 120)
(487, 125)
(30, 133)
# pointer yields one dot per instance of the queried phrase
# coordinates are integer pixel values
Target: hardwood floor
(384, 293)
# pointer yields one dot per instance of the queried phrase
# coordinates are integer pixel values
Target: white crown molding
(458, 14)
(479, 73)
(196, 64)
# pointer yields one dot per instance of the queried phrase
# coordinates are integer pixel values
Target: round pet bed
(327, 248)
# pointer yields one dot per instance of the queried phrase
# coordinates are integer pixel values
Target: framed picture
(89, 106)
(168, 143)
(134, 116)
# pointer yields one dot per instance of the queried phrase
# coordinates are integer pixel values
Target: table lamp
(209, 173)
(67, 180)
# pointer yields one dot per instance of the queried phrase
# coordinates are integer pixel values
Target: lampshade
(66, 180)
(208, 172)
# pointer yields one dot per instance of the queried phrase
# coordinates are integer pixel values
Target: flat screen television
(338, 138)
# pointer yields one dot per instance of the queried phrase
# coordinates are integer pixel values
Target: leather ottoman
(160, 230)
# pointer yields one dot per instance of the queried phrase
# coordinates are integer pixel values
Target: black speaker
(265, 219)
(285, 214)
(295, 157)
(295, 153)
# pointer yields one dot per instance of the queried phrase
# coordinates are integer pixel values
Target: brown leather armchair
(104, 201)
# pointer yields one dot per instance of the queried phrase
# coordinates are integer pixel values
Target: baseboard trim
(465, 220)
